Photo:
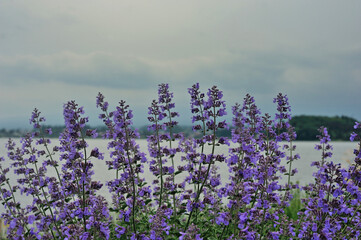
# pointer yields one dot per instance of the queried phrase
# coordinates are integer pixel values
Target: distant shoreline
(306, 127)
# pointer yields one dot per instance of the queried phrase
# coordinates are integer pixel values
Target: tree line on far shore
(306, 126)
(338, 127)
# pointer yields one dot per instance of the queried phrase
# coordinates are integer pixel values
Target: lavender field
(259, 184)
(342, 153)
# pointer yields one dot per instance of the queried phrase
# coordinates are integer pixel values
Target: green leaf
(147, 201)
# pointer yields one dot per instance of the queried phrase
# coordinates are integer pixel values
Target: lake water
(342, 153)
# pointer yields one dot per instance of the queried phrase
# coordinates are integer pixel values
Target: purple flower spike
(35, 119)
(354, 136)
(128, 189)
(324, 144)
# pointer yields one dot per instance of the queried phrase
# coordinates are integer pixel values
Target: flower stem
(208, 169)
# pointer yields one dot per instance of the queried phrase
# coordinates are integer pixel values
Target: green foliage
(295, 205)
(306, 127)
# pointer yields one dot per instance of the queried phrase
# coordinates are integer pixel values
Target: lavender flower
(192, 233)
(285, 132)
(329, 212)
(129, 192)
(159, 224)
(324, 144)
(207, 112)
(356, 137)
(163, 151)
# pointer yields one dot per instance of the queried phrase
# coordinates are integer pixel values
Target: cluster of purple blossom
(187, 201)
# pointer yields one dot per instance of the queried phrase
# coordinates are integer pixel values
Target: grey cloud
(256, 72)
(96, 69)
(328, 83)
(268, 72)
(324, 85)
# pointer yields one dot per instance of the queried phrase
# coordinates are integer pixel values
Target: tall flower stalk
(79, 190)
(208, 113)
(165, 99)
(129, 191)
(162, 151)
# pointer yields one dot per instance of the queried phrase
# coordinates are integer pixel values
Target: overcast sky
(54, 51)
